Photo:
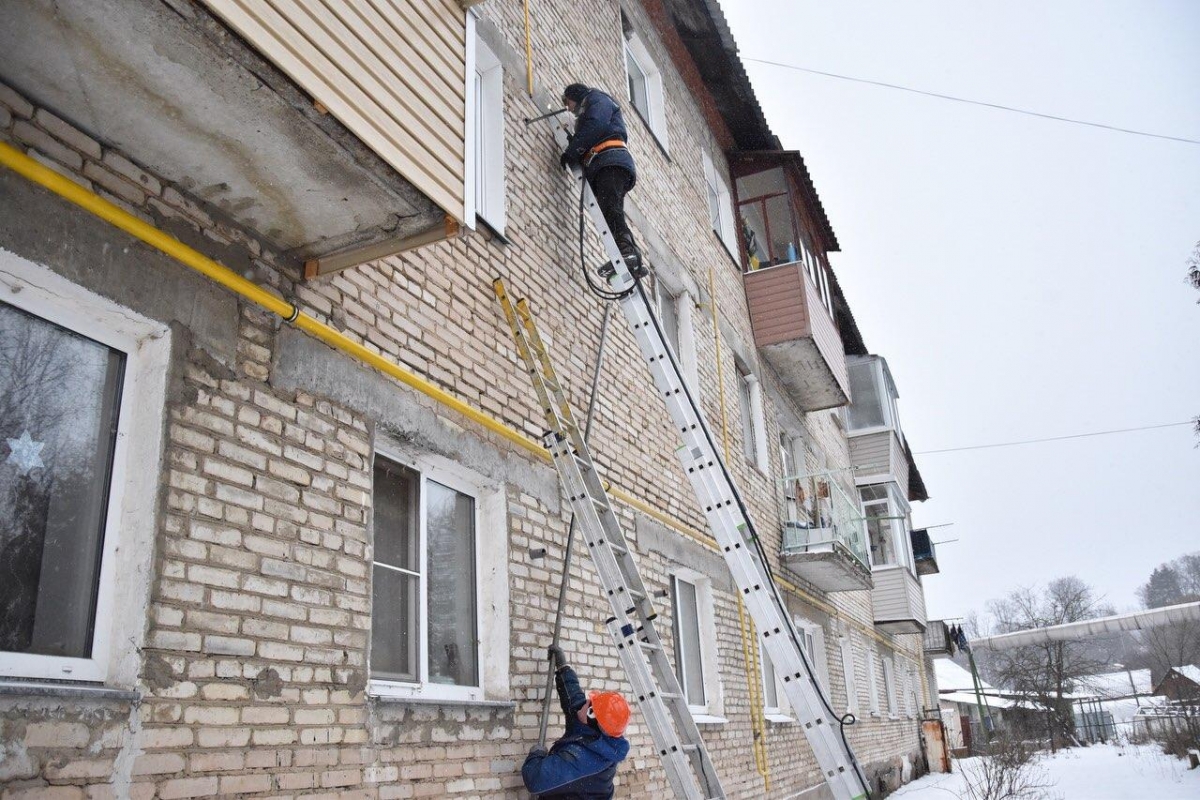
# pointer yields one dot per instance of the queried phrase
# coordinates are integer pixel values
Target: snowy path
(1102, 772)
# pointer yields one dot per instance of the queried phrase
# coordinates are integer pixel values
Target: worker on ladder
(598, 146)
(581, 765)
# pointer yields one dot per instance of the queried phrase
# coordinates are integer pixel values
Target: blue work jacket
(599, 120)
(582, 764)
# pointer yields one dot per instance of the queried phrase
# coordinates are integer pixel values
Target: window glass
(768, 221)
(689, 666)
(847, 649)
(668, 312)
(395, 618)
(770, 682)
(866, 407)
(488, 135)
(872, 681)
(452, 623)
(59, 399)
(639, 91)
(745, 405)
(424, 572)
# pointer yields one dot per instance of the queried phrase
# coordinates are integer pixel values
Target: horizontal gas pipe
(67, 189)
(1135, 621)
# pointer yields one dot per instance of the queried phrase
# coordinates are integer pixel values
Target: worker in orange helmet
(582, 764)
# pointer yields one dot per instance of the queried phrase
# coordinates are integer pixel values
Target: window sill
(492, 232)
(782, 719)
(77, 691)
(708, 719)
(395, 700)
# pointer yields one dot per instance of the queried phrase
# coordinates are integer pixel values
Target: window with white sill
(750, 405)
(887, 515)
(812, 637)
(889, 685)
(871, 656)
(720, 205)
(675, 313)
(432, 573)
(82, 393)
(775, 703)
(644, 83)
(695, 642)
(485, 127)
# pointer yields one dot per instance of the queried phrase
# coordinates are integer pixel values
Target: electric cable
(599, 291)
(1055, 438)
(996, 106)
(844, 720)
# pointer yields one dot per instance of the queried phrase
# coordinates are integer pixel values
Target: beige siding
(392, 71)
(897, 595)
(870, 453)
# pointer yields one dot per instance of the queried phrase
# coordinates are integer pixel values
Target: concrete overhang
(167, 85)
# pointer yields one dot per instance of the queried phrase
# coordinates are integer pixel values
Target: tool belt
(607, 144)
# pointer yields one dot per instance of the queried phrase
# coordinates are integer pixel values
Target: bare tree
(1009, 771)
(1049, 672)
(1193, 268)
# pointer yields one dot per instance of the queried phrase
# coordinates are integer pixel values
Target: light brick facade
(254, 653)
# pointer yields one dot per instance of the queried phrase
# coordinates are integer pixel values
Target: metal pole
(566, 573)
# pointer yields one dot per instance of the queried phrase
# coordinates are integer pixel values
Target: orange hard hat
(611, 711)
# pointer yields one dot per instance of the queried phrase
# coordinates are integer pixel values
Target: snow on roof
(953, 678)
(991, 701)
(1191, 672)
(1113, 684)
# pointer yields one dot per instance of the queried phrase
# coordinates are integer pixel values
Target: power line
(1054, 438)
(974, 102)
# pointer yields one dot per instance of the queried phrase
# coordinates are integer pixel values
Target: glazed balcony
(824, 535)
(797, 335)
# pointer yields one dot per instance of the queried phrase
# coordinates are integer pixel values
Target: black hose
(599, 291)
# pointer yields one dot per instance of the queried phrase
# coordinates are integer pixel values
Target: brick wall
(254, 665)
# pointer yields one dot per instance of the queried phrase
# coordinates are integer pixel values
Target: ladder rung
(649, 645)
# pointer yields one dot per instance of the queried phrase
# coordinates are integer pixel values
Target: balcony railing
(798, 336)
(924, 553)
(824, 534)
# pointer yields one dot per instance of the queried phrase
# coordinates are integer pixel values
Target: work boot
(633, 262)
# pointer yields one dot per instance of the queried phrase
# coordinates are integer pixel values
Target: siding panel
(395, 78)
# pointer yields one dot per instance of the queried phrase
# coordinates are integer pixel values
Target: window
(675, 312)
(645, 85)
(876, 401)
(753, 426)
(872, 680)
(775, 702)
(82, 385)
(847, 652)
(887, 525)
(720, 206)
(485, 124)
(889, 685)
(695, 643)
(426, 583)
(812, 637)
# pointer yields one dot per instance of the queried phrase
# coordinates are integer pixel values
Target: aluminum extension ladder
(731, 527)
(656, 689)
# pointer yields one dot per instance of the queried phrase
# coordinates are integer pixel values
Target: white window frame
(634, 48)
(846, 648)
(484, 168)
(123, 594)
(898, 519)
(872, 657)
(889, 397)
(681, 306)
(812, 635)
(889, 685)
(720, 206)
(713, 708)
(754, 440)
(781, 710)
(491, 585)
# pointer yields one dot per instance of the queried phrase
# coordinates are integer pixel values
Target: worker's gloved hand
(557, 655)
(564, 161)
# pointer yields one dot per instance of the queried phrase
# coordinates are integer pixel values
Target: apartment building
(286, 528)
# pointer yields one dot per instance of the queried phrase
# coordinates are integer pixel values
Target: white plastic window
(720, 205)
(695, 644)
(645, 86)
(485, 127)
(427, 588)
(847, 653)
(82, 391)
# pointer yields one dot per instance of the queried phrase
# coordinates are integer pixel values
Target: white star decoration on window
(25, 453)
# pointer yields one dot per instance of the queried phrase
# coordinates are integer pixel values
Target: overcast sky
(1023, 277)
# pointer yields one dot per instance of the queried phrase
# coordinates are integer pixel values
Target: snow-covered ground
(1100, 772)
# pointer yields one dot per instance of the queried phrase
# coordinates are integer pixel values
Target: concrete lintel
(306, 364)
(683, 551)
